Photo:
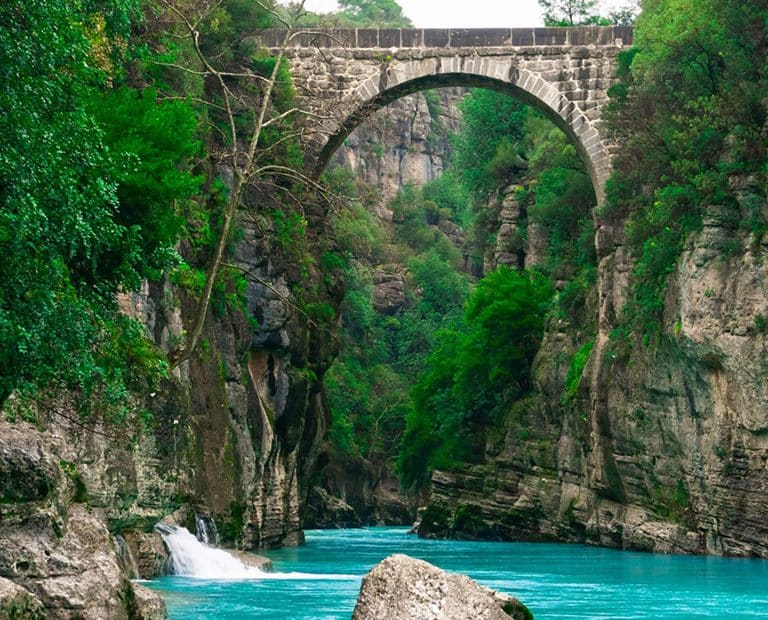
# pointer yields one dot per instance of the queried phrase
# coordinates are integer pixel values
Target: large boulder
(403, 587)
(56, 552)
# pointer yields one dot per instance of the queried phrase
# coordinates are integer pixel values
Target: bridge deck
(388, 38)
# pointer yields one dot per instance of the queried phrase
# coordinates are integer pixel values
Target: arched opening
(404, 78)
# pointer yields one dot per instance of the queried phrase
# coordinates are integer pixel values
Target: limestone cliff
(663, 447)
(233, 435)
(406, 142)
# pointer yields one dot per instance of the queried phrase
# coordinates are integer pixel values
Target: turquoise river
(321, 580)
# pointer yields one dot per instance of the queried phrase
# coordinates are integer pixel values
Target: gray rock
(17, 603)
(251, 559)
(149, 604)
(403, 587)
(27, 472)
(389, 292)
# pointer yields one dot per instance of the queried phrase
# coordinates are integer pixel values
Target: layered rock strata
(665, 444)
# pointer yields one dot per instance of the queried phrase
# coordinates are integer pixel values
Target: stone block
(550, 36)
(486, 37)
(389, 37)
(368, 37)
(522, 37)
(437, 37)
(411, 37)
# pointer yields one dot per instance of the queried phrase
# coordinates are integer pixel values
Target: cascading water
(191, 558)
(206, 530)
(126, 557)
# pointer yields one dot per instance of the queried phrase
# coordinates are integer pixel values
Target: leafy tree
(571, 13)
(486, 151)
(474, 372)
(373, 13)
(248, 103)
(72, 225)
(690, 113)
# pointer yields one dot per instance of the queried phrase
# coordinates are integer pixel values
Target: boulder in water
(403, 587)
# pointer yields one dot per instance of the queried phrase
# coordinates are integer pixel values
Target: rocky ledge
(57, 558)
(403, 587)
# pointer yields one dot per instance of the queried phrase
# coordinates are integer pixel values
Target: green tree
(486, 151)
(572, 13)
(690, 111)
(373, 13)
(68, 242)
(474, 371)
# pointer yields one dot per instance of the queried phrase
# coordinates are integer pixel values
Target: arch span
(342, 76)
(402, 79)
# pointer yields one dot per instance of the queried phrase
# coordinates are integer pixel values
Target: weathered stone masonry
(342, 76)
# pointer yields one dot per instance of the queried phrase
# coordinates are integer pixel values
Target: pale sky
(459, 13)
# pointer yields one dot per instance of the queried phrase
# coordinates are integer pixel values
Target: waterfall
(126, 558)
(192, 558)
(206, 530)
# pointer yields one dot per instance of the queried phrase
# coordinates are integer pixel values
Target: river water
(321, 580)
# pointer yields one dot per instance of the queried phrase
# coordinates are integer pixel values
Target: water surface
(555, 581)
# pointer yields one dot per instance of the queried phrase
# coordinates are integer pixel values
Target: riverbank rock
(251, 559)
(56, 553)
(16, 602)
(403, 587)
(149, 604)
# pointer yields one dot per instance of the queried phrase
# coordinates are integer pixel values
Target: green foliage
(70, 470)
(355, 228)
(373, 13)
(572, 13)
(85, 176)
(563, 198)
(473, 371)
(151, 147)
(690, 113)
(576, 370)
(486, 151)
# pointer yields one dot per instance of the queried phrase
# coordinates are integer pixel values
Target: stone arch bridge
(343, 76)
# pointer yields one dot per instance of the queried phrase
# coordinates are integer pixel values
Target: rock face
(664, 446)
(403, 587)
(55, 549)
(17, 603)
(406, 142)
(237, 427)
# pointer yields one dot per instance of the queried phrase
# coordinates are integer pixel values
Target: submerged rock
(403, 587)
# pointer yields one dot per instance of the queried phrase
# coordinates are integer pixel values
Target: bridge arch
(398, 79)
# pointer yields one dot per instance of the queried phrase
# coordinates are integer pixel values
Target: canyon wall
(665, 444)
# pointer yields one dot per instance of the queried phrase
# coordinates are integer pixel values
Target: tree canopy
(373, 13)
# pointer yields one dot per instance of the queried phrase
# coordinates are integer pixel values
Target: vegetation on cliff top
(117, 123)
(690, 113)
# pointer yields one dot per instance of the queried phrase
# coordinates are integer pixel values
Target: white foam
(191, 558)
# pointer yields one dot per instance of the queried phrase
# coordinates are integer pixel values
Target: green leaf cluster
(91, 173)
(473, 372)
(373, 14)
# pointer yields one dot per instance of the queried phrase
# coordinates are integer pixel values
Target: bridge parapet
(342, 76)
(388, 38)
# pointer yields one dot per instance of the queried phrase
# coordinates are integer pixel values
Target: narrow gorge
(501, 285)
